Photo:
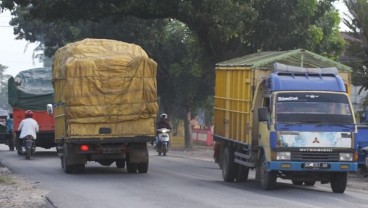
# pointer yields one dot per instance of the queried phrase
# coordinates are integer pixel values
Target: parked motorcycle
(29, 146)
(163, 141)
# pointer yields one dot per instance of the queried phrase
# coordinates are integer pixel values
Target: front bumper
(300, 166)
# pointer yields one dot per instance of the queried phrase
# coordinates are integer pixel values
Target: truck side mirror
(50, 109)
(263, 114)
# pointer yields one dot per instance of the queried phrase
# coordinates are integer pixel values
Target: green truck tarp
(31, 89)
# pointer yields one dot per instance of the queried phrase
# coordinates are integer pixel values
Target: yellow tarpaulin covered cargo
(103, 89)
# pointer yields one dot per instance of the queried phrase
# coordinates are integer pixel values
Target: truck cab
(306, 127)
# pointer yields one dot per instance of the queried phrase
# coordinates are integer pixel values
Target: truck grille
(315, 156)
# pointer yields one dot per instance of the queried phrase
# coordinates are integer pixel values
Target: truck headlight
(283, 156)
(346, 157)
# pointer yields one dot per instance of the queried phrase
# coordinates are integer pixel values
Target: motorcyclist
(162, 123)
(27, 127)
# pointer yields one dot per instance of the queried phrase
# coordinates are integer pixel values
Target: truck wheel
(228, 165)
(79, 168)
(67, 168)
(267, 178)
(338, 182)
(309, 183)
(297, 182)
(143, 167)
(120, 163)
(243, 173)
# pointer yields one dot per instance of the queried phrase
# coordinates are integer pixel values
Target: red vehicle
(46, 134)
(32, 90)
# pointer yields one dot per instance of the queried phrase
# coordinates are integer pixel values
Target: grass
(4, 179)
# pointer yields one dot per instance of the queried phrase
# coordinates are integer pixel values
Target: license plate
(111, 150)
(316, 165)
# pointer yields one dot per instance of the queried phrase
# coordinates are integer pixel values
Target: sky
(17, 54)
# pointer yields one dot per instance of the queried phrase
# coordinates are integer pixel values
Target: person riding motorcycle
(27, 127)
(162, 123)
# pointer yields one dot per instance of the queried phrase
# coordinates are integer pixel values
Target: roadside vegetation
(187, 38)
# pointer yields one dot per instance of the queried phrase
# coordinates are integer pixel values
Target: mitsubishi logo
(315, 140)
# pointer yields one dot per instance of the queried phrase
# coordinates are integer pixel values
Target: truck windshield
(313, 108)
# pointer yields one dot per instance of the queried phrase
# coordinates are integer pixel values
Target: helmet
(28, 114)
(163, 116)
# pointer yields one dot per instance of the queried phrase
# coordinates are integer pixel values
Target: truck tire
(267, 178)
(120, 163)
(79, 168)
(143, 167)
(297, 182)
(338, 182)
(67, 168)
(309, 183)
(132, 167)
(243, 173)
(228, 165)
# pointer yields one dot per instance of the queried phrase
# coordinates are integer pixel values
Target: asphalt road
(172, 181)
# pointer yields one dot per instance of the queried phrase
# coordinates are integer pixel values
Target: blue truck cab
(310, 123)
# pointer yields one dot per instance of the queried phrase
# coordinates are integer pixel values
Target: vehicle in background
(32, 90)
(163, 141)
(362, 141)
(285, 121)
(105, 104)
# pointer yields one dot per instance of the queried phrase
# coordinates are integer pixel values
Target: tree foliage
(4, 88)
(225, 28)
(185, 37)
(357, 49)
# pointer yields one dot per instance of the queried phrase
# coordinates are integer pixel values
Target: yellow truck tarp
(104, 84)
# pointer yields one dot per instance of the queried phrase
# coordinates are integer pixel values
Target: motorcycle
(29, 146)
(163, 141)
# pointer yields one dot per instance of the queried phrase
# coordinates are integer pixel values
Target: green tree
(225, 28)
(4, 88)
(204, 32)
(357, 47)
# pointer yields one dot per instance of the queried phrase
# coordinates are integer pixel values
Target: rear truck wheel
(338, 182)
(67, 168)
(228, 165)
(142, 167)
(297, 182)
(309, 183)
(132, 167)
(243, 173)
(120, 163)
(79, 168)
(267, 178)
